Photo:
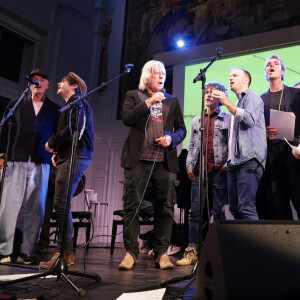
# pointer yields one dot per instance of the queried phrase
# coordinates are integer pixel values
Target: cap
(39, 72)
(80, 82)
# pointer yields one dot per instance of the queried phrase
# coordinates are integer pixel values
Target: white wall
(67, 36)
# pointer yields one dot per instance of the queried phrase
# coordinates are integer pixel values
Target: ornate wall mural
(152, 26)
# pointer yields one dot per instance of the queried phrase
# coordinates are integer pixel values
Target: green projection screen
(219, 71)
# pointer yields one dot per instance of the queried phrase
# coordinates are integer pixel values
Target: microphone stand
(126, 71)
(59, 267)
(4, 120)
(200, 77)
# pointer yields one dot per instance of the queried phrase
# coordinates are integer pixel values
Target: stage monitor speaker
(250, 260)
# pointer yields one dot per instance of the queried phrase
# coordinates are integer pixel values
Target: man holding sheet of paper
(279, 183)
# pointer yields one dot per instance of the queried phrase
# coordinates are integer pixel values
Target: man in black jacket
(70, 88)
(27, 172)
(279, 183)
(156, 128)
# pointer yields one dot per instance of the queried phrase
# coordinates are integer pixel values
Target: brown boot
(69, 258)
(164, 262)
(127, 262)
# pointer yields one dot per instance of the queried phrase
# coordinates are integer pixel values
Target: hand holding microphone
(156, 98)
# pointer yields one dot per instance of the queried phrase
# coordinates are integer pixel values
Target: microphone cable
(146, 185)
(206, 172)
(145, 188)
(84, 121)
(140, 203)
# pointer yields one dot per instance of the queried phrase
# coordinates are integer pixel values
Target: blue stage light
(180, 43)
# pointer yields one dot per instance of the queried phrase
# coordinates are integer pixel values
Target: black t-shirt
(276, 100)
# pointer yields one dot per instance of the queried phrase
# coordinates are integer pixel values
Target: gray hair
(148, 70)
(276, 56)
(217, 86)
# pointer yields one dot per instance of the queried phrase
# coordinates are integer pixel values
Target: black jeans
(60, 197)
(279, 184)
(163, 183)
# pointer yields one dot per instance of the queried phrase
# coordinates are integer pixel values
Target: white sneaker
(173, 249)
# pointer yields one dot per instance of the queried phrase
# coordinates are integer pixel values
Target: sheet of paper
(297, 149)
(285, 123)
(148, 295)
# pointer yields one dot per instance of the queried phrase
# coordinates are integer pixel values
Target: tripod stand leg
(81, 292)
(6, 283)
(87, 275)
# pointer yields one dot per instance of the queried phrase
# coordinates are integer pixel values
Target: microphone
(32, 81)
(128, 67)
(163, 90)
(219, 51)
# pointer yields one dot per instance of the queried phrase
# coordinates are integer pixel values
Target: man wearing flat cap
(27, 172)
(60, 144)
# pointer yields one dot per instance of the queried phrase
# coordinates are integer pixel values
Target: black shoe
(27, 259)
(5, 258)
(42, 250)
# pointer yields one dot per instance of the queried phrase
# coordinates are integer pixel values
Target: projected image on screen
(219, 71)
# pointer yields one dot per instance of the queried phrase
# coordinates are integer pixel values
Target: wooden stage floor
(114, 283)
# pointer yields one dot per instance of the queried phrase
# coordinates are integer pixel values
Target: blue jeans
(24, 182)
(217, 193)
(242, 181)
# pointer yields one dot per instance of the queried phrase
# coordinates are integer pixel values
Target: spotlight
(180, 43)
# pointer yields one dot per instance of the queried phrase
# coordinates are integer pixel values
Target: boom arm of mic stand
(203, 71)
(12, 110)
(68, 106)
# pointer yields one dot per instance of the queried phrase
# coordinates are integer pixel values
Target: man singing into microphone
(215, 154)
(156, 128)
(70, 88)
(27, 172)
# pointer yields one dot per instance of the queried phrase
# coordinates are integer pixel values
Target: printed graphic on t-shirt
(156, 112)
(155, 130)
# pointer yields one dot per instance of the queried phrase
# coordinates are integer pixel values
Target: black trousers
(279, 183)
(60, 197)
(163, 184)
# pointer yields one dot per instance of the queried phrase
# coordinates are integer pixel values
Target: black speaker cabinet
(250, 260)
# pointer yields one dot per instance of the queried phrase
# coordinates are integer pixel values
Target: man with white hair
(280, 181)
(149, 154)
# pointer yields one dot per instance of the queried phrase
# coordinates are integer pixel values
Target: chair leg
(113, 236)
(75, 235)
(87, 234)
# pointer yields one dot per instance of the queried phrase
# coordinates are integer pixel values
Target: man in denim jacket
(216, 134)
(247, 145)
